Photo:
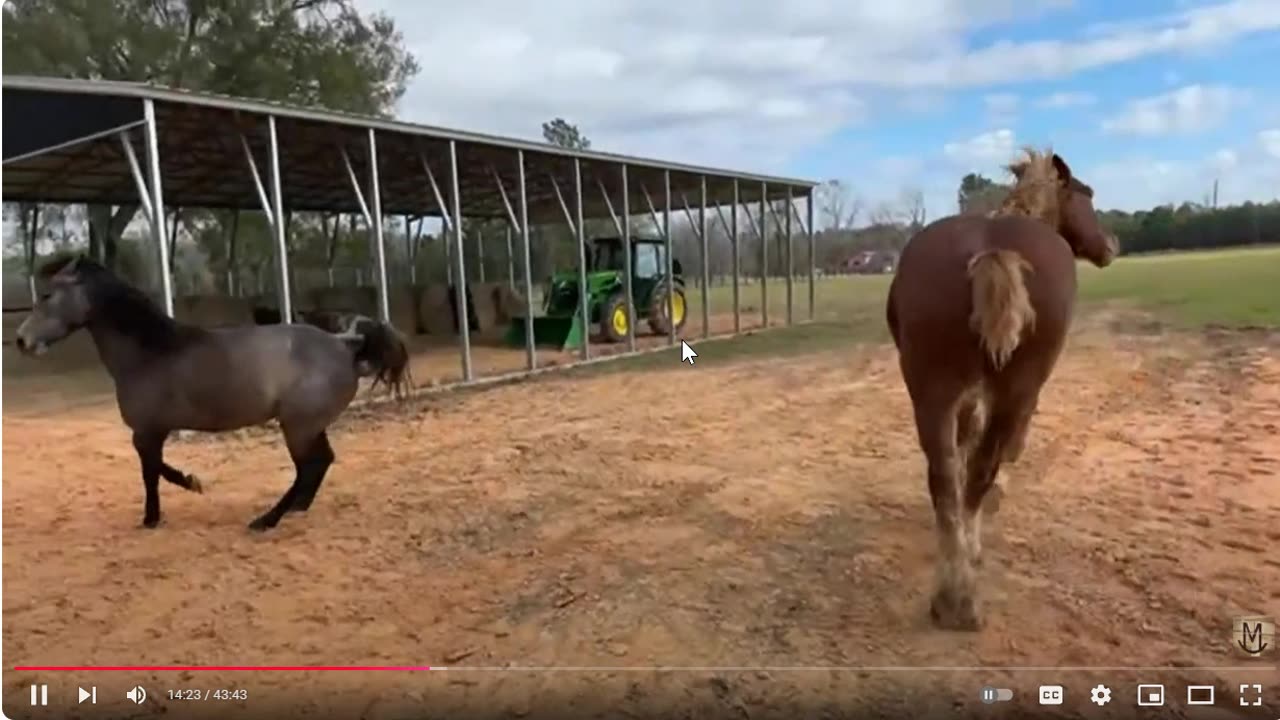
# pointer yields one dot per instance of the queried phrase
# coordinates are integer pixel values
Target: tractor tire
(659, 309)
(614, 318)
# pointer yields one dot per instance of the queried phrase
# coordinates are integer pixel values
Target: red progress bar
(221, 668)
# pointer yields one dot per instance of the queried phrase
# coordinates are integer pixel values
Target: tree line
(1187, 226)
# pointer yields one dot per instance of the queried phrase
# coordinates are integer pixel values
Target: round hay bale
(435, 310)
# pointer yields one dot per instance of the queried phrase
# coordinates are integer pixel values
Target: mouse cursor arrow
(686, 353)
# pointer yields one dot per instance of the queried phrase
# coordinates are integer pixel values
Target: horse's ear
(1064, 171)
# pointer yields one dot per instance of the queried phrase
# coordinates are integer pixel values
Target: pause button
(990, 695)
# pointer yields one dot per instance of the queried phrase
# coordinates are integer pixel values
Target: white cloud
(983, 153)
(1141, 182)
(1187, 110)
(1060, 100)
(747, 88)
(1270, 141)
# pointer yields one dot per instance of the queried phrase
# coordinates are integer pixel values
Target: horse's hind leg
(316, 464)
(298, 452)
(1006, 427)
(953, 605)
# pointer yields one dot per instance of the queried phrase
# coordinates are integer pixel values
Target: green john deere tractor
(561, 322)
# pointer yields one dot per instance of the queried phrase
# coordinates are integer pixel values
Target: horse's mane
(1036, 189)
(121, 306)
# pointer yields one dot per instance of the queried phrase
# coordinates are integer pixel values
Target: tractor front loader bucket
(563, 332)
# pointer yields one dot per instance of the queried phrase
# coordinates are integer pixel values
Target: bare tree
(838, 205)
(913, 210)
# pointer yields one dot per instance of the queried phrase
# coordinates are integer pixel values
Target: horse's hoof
(262, 524)
(951, 613)
(991, 503)
(194, 484)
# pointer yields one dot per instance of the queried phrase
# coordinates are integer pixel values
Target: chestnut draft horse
(979, 310)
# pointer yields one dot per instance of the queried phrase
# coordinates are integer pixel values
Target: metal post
(671, 285)
(786, 233)
(627, 268)
(511, 261)
(809, 230)
(764, 254)
(531, 354)
(277, 213)
(464, 326)
(584, 311)
(375, 220)
(737, 260)
(157, 200)
(480, 252)
(706, 255)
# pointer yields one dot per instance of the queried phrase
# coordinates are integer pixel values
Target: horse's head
(64, 308)
(1047, 188)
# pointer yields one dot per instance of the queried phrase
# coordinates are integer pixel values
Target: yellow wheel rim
(620, 320)
(677, 306)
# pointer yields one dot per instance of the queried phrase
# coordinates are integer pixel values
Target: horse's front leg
(181, 479)
(150, 447)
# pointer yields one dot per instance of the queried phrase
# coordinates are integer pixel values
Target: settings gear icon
(1101, 695)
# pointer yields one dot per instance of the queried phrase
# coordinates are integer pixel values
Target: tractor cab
(648, 257)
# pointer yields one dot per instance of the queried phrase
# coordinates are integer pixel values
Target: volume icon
(138, 694)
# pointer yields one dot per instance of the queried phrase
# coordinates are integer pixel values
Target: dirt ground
(750, 527)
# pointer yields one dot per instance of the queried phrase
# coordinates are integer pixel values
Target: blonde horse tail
(1002, 309)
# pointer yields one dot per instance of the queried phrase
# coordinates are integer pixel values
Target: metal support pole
(31, 223)
(627, 266)
(480, 252)
(511, 262)
(671, 284)
(564, 206)
(531, 354)
(282, 247)
(464, 326)
(786, 233)
(764, 253)
(379, 241)
(706, 253)
(584, 309)
(617, 224)
(144, 199)
(733, 239)
(157, 202)
(812, 258)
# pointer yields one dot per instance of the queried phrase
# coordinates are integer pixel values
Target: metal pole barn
(627, 262)
(464, 324)
(531, 352)
(157, 200)
(584, 309)
(379, 241)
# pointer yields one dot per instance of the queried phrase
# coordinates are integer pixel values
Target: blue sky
(1148, 101)
(1197, 113)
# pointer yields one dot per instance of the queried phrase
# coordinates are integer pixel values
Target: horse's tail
(382, 353)
(1002, 309)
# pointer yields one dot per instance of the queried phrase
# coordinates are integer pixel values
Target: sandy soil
(763, 523)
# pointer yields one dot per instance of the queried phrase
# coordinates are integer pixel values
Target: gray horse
(172, 376)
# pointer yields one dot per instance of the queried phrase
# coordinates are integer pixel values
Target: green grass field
(1235, 288)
